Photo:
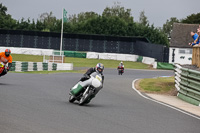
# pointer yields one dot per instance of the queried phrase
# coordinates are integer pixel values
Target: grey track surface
(38, 103)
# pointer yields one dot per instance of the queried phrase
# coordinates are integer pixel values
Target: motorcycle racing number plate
(99, 78)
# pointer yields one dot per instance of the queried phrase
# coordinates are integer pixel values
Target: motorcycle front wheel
(71, 98)
(85, 98)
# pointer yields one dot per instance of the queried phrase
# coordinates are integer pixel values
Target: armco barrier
(187, 82)
(39, 66)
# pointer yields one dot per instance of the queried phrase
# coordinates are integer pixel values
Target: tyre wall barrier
(39, 66)
(187, 82)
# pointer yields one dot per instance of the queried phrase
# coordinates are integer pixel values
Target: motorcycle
(2, 67)
(86, 94)
(120, 70)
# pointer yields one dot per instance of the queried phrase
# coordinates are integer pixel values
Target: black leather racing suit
(90, 71)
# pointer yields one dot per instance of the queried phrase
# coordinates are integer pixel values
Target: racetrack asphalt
(38, 103)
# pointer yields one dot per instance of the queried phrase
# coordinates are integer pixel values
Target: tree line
(115, 21)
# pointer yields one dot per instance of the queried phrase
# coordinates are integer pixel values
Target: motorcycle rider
(121, 66)
(84, 81)
(5, 57)
(99, 68)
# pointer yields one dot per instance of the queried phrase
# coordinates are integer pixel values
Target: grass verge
(160, 85)
(27, 58)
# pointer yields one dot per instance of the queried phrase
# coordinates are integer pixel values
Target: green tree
(39, 25)
(103, 25)
(48, 20)
(6, 20)
(143, 19)
(32, 25)
(24, 25)
(167, 27)
(81, 17)
(3, 10)
(192, 19)
(118, 11)
(72, 19)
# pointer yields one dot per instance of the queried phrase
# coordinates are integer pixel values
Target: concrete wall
(181, 55)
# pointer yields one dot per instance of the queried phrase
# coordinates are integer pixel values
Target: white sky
(157, 11)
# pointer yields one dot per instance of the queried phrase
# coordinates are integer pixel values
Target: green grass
(28, 58)
(157, 85)
(83, 62)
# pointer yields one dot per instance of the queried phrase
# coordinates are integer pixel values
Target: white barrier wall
(181, 55)
(148, 60)
(120, 57)
(107, 56)
(64, 66)
(155, 65)
(127, 57)
(92, 55)
(28, 51)
(112, 56)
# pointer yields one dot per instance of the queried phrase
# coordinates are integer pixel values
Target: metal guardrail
(187, 82)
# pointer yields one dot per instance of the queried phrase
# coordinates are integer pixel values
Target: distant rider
(5, 57)
(121, 66)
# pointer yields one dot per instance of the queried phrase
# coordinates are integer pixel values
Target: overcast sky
(157, 11)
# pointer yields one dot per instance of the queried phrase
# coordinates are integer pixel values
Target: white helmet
(99, 67)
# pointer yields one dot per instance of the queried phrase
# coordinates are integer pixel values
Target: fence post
(196, 55)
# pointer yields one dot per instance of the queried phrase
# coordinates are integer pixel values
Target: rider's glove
(87, 76)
